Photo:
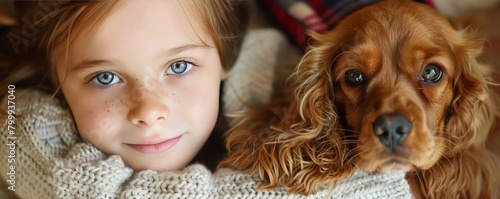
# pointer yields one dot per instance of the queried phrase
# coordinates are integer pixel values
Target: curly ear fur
(303, 148)
(469, 167)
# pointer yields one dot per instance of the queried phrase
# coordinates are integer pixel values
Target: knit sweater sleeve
(196, 181)
(32, 143)
(53, 162)
(50, 159)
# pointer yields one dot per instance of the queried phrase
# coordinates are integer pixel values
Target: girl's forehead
(141, 27)
(166, 17)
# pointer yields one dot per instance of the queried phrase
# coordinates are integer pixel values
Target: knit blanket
(50, 160)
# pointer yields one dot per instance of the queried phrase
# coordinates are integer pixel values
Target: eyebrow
(177, 50)
(89, 63)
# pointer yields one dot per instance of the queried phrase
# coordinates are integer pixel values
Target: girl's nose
(148, 111)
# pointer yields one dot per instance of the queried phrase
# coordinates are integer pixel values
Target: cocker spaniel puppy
(392, 87)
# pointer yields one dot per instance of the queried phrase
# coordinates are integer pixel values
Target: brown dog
(392, 87)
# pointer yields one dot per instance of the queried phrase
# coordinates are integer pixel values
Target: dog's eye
(353, 77)
(432, 73)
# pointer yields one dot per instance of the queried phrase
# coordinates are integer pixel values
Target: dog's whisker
(420, 178)
(350, 137)
(355, 151)
(347, 130)
(447, 146)
(348, 142)
(492, 83)
(341, 53)
(443, 155)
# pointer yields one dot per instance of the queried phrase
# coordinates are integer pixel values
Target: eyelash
(94, 79)
(183, 74)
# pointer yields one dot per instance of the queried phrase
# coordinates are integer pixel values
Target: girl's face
(144, 86)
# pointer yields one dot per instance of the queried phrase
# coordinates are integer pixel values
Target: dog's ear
(314, 84)
(310, 149)
(470, 115)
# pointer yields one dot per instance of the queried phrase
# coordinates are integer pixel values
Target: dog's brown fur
(326, 131)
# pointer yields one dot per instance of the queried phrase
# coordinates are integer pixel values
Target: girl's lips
(156, 148)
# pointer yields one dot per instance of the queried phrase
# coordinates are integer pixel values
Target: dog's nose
(392, 129)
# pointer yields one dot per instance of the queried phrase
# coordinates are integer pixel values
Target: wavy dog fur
(326, 131)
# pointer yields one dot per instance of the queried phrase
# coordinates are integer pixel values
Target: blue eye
(179, 67)
(106, 79)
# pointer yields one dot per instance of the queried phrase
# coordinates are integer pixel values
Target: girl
(137, 75)
(141, 82)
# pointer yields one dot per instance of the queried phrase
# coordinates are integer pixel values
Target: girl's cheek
(96, 125)
(93, 136)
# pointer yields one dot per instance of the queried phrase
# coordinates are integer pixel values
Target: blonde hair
(224, 20)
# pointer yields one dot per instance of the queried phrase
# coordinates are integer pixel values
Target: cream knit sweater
(51, 161)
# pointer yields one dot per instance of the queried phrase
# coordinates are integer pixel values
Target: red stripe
(285, 21)
(318, 28)
(311, 16)
(430, 2)
(315, 22)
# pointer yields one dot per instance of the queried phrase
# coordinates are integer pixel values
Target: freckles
(114, 106)
(120, 111)
(90, 112)
(106, 107)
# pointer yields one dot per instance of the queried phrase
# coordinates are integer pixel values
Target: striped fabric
(327, 14)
